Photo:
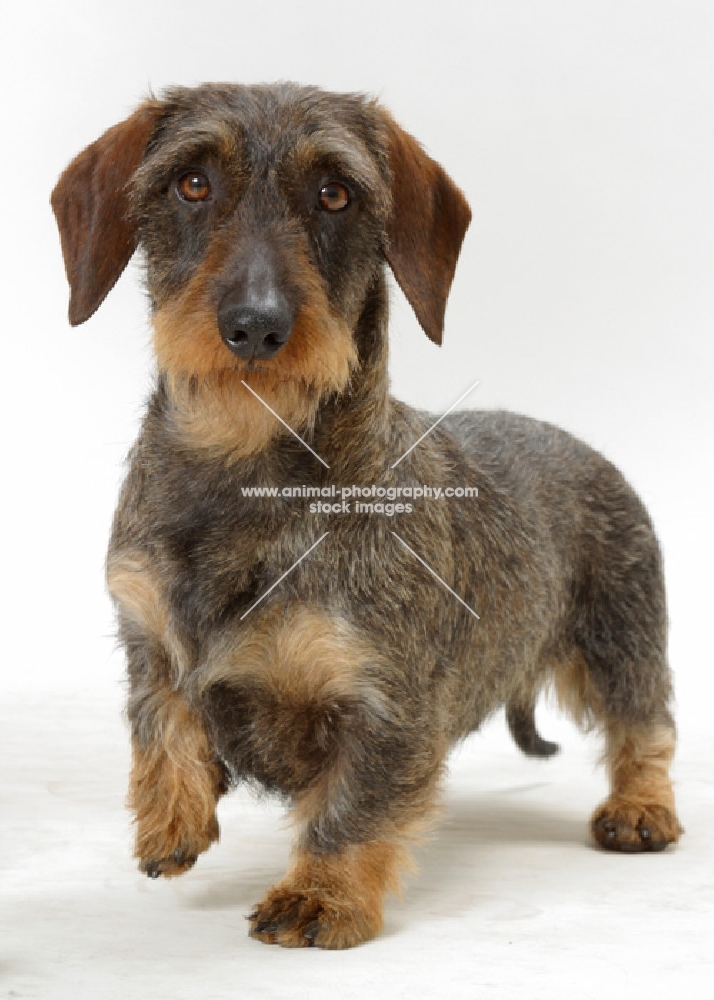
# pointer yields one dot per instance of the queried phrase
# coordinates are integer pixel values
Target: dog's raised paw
(174, 850)
(170, 866)
(632, 829)
(309, 918)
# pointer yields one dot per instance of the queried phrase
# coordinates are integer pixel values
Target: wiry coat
(344, 688)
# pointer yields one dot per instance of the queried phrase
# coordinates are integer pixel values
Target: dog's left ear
(91, 206)
(426, 228)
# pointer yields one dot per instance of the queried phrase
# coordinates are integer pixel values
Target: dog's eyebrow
(348, 152)
(178, 147)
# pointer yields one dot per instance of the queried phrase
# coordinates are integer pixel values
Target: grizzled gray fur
(266, 217)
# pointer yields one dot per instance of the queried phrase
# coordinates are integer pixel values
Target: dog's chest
(223, 545)
(282, 695)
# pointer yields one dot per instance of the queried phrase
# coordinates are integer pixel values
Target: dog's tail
(521, 722)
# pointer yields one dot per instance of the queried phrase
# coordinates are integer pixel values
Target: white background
(582, 135)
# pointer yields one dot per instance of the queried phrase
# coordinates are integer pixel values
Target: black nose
(255, 316)
(255, 327)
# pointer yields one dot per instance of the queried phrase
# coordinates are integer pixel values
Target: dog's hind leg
(639, 814)
(618, 681)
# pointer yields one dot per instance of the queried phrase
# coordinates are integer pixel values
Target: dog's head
(265, 215)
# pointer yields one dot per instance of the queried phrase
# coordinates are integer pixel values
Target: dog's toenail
(311, 931)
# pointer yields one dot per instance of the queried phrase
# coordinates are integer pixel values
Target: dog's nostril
(273, 340)
(254, 331)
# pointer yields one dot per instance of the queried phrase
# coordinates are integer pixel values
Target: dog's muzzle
(255, 318)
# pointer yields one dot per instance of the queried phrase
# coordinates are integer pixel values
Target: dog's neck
(354, 424)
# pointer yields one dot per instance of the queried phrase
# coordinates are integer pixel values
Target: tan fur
(638, 763)
(641, 791)
(331, 900)
(174, 787)
(134, 585)
(175, 781)
(213, 411)
(303, 654)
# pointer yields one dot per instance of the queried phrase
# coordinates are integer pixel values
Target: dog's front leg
(174, 786)
(352, 851)
(176, 777)
(331, 900)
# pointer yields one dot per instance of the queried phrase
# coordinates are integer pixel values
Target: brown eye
(194, 186)
(334, 197)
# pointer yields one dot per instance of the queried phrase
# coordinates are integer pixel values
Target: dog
(332, 654)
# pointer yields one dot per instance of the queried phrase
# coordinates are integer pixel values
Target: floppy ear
(91, 205)
(426, 228)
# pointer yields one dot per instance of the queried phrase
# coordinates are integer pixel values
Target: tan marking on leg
(306, 656)
(135, 587)
(331, 900)
(639, 814)
(174, 787)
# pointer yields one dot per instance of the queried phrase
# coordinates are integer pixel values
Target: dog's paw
(171, 854)
(176, 864)
(302, 918)
(618, 825)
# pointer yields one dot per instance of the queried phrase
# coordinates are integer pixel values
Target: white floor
(511, 901)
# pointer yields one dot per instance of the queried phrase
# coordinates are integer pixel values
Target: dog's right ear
(91, 206)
